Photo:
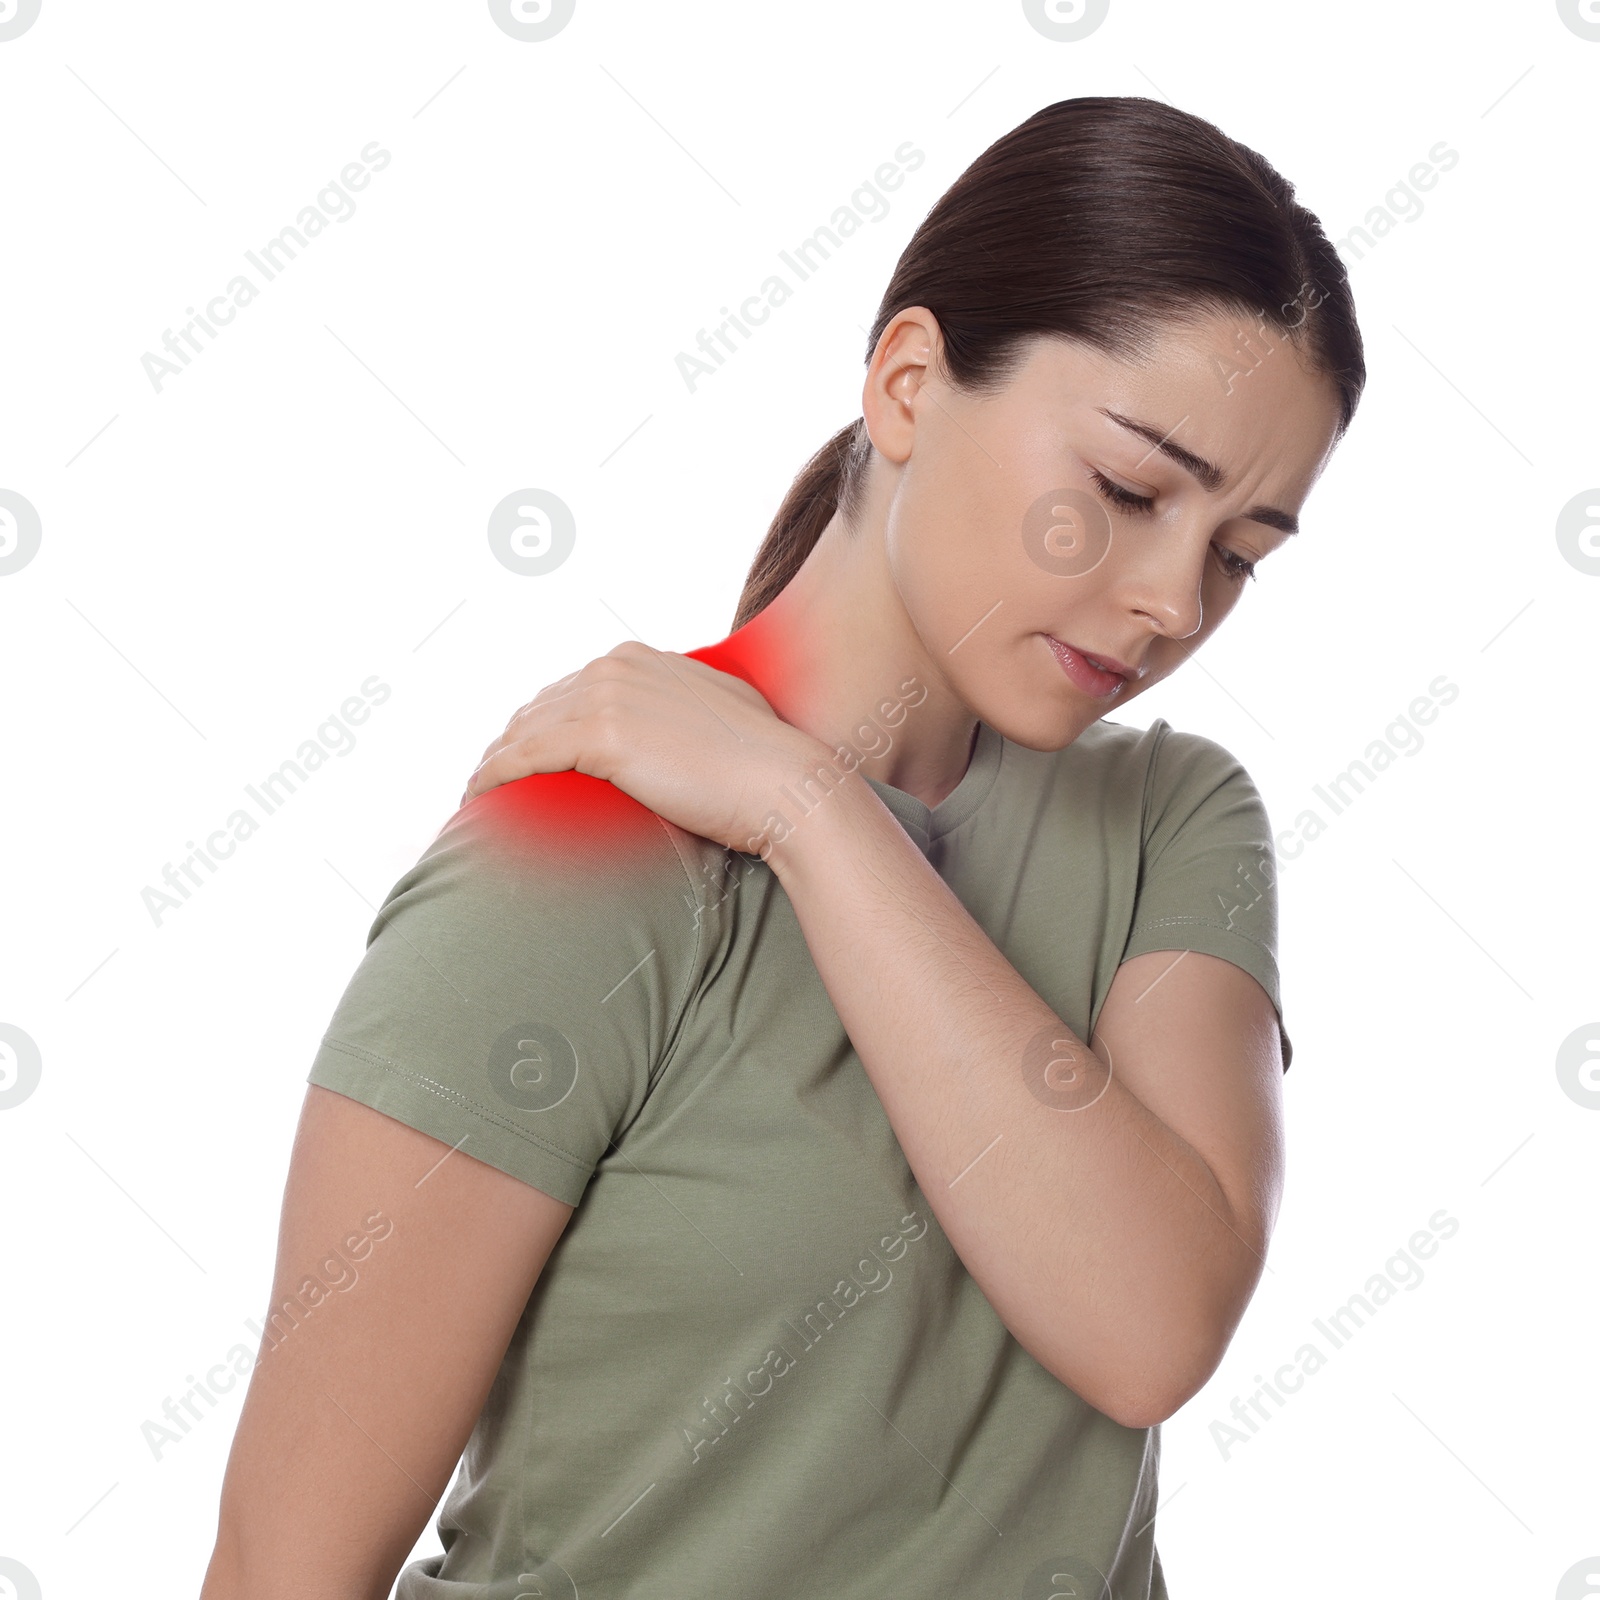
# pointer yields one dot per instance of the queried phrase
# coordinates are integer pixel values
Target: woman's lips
(1093, 680)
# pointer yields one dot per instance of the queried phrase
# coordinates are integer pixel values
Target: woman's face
(1079, 508)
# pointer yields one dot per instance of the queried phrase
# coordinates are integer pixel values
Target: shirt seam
(454, 1097)
(982, 800)
(1221, 927)
(1161, 728)
(674, 1026)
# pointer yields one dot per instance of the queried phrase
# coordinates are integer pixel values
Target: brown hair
(1096, 219)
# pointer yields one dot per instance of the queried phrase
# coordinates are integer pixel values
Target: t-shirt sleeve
(523, 983)
(1207, 873)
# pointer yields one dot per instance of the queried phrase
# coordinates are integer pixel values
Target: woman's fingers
(545, 738)
(519, 718)
(517, 729)
(601, 690)
(506, 766)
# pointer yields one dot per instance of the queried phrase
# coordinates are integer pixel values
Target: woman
(714, 1112)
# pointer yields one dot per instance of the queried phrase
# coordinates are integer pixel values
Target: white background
(225, 561)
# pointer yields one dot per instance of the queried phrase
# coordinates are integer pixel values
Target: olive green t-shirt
(753, 1367)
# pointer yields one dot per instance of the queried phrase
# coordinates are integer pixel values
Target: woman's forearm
(1100, 1237)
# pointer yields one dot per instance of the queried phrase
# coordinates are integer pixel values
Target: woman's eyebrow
(1210, 476)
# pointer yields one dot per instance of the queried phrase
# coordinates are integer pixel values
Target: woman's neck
(836, 655)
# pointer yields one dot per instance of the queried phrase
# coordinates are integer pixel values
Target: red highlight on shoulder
(762, 657)
(743, 656)
(580, 815)
(570, 813)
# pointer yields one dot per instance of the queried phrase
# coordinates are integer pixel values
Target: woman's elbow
(1143, 1393)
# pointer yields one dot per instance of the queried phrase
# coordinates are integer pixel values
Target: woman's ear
(905, 360)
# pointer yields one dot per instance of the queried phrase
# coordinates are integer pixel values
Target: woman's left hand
(700, 747)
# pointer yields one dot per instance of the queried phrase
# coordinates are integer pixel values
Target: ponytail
(830, 481)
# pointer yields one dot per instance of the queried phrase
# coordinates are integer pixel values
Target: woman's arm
(362, 1400)
(1119, 1241)
(1115, 1212)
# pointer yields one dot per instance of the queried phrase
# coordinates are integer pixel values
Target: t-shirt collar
(924, 823)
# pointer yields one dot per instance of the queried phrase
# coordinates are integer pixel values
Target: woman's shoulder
(563, 852)
(525, 980)
(1167, 776)
(1161, 755)
(1121, 750)
(1157, 741)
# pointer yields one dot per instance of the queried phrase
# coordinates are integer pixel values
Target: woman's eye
(1139, 504)
(1237, 567)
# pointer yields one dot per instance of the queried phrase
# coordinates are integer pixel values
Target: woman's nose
(1165, 584)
